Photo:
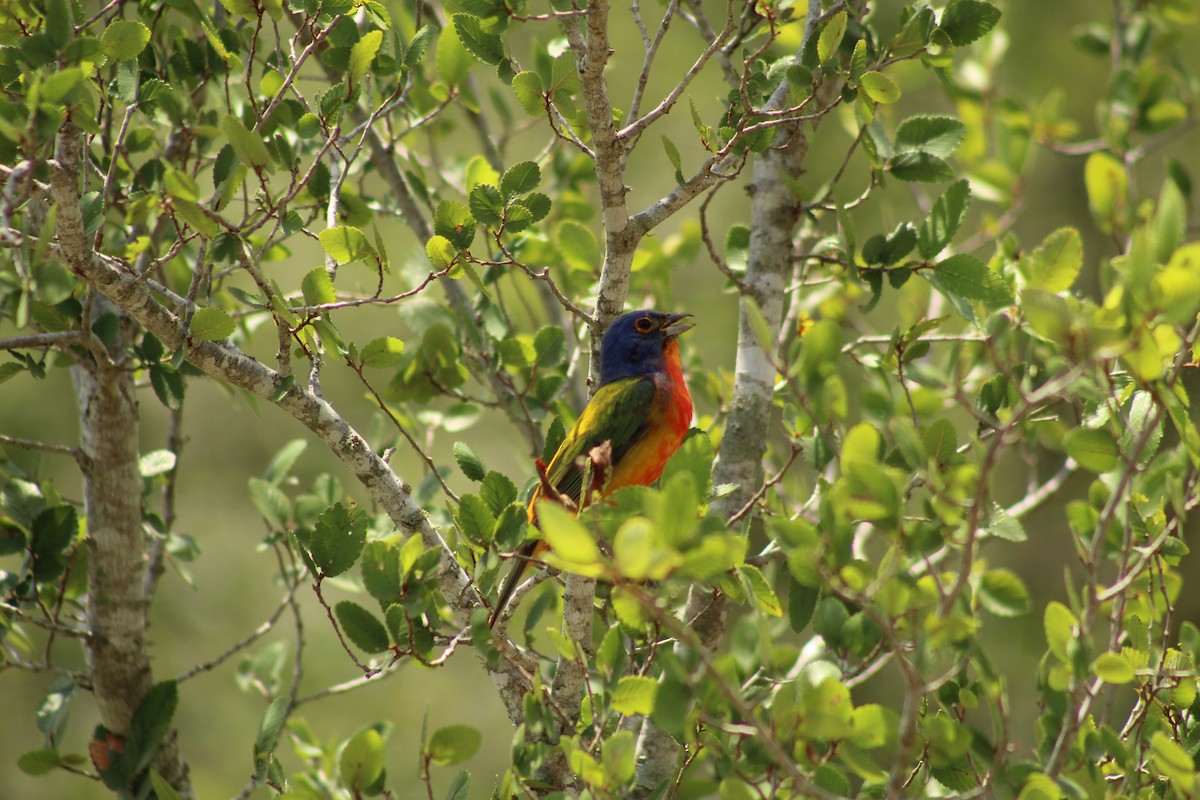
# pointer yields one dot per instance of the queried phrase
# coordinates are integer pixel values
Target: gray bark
(117, 653)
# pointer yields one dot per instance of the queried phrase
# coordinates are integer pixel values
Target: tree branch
(225, 361)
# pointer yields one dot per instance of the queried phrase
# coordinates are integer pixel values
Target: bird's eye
(644, 325)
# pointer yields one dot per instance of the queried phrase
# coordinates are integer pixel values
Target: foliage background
(227, 442)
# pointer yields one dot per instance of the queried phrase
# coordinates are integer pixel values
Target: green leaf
(1107, 189)
(1093, 449)
(578, 245)
(361, 761)
(1174, 762)
(564, 76)
(125, 39)
(271, 502)
(453, 744)
(1003, 593)
(475, 519)
(550, 343)
(918, 167)
(1112, 668)
(1170, 220)
(53, 710)
(831, 36)
(929, 133)
(338, 538)
(419, 45)
(498, 491)
(11, 369)
(940, 441)
(634, 694)
(441, 252)
(156, 462)
(829, 619)
(872, 725)
(1176, 288)
(269, 727)
(826, 710)
(246, 143)
(694, 456)
(167, 385)
(39, 762)
(1059, 624)
(572, 544)
(382, 353)
(460, 787)
(52, 532)
(880, 87)
(162, 789)
(944, 220)
(860, 446)
(802, 602)
(361, 627)
(452, 59)
(963, 276)
(241, 8)
(469, 461)
(964, 21)
(58, 22)
(381, 571)
(211, 324)
(180, 185)
(363, 53)
(317, 287)
(62, 85)
(151, 723)
(761, 592)
(530, 92)
(520, 178)
(639, 552)
(193, 215)
(486, 204)
(345, 243)
(610, 655)
(484, 45)
(453, 220)
(672, 152)
(1055, 263)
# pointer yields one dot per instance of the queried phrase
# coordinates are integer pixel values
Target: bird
(641, 408)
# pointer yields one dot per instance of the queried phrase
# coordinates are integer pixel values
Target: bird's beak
(675, 325)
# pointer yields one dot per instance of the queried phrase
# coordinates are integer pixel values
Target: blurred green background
(229, 440)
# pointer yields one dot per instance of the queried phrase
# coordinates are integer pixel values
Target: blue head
(639, 343)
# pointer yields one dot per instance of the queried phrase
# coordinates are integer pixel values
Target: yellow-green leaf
(453, 744)
(317, 287)
(880, 87)
(211, 323)
(831, 37)
(1107, 187)
(1111, 668)
(441, 251)
(246, 143)
(571, 544)
(383, 353)
(361, 760)
(363, 53)
(345, 243)
(124, 39)
(1094, 450)
(634, 695)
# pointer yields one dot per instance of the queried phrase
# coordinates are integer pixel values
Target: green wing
(616, 413)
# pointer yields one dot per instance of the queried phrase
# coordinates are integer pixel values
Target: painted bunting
(641, 408)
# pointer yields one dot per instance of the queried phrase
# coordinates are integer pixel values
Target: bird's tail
(523, 558)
